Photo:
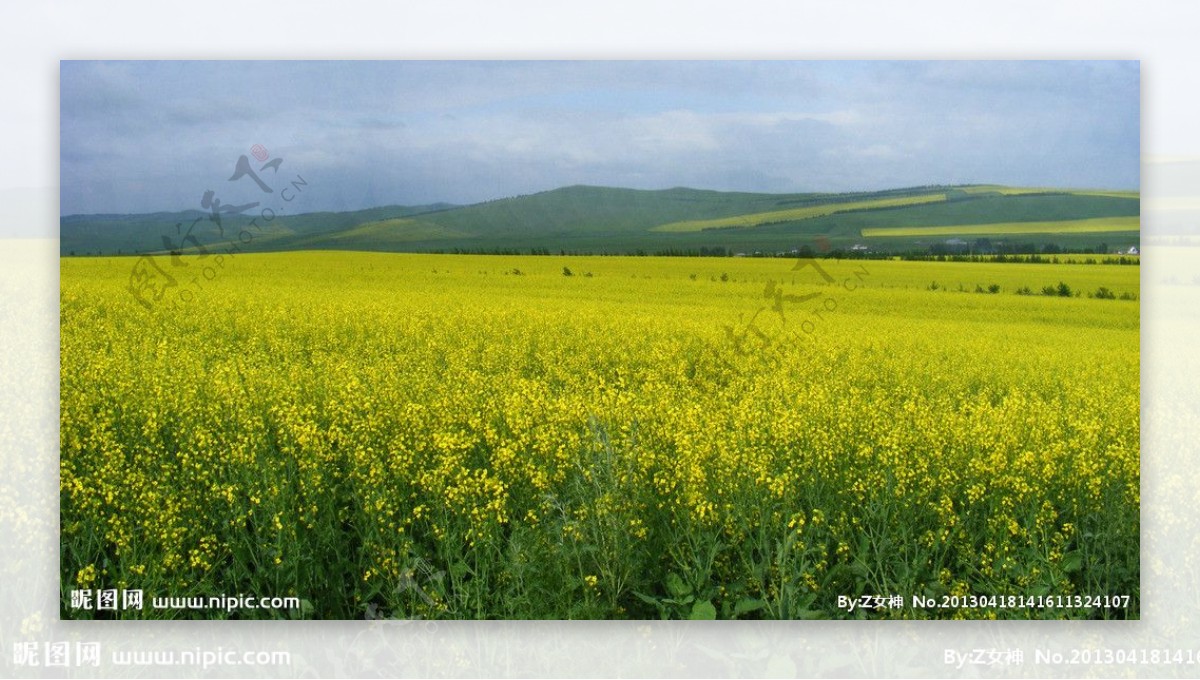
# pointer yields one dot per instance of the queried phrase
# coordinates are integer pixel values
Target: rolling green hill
(603, 219)
(124, 234)
(797, 214)
(1094, 225)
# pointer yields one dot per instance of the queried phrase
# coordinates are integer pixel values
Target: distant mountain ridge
(582, 218)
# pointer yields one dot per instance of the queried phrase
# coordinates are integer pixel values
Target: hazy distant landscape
(599, 220)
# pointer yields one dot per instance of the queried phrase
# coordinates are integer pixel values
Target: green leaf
(304, 611)
(676, 587)
(747, 605)
(646, 598)
(804, 610)
(1072, 562)
(703, 611)
(859, 569)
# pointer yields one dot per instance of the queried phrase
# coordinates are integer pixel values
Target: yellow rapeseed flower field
(490, 437)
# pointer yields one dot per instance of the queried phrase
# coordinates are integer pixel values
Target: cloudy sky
(149, 136)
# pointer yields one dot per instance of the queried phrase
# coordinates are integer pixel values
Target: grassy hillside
(613, 220)
(1094, 225)
(396, 231)
(578, 210)
(124, 234)
(1015, 191)
(796, 214)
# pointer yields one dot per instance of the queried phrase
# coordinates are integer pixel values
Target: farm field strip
(1087, 226)
(774, 216)
(645, 437)
(1022, 191)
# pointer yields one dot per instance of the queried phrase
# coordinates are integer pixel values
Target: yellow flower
(86, 576)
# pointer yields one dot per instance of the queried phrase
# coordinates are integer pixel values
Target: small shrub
(567, 271)
(1024, 290)
(1103, 293)
(1063, 290)
(994, 288)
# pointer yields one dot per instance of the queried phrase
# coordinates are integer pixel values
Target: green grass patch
(1025, 191)
(401, 230)
(1089, 226)
(792, 214)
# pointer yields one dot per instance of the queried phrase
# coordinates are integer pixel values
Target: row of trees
(982, 250)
